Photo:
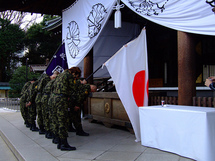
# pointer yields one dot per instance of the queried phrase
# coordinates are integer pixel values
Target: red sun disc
(138, 88)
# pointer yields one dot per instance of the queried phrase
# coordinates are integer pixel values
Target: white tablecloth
(185, 130)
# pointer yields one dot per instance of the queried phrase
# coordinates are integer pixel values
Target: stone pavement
(5, 153)
(103, 144)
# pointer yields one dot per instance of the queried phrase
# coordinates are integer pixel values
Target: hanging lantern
(117, 19)
(117, 15)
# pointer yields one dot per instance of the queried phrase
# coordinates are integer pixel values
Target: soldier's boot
(42, 130)
(71, 128)
(64, 146)
(59, 144)
(80, 131)
(27, 124)
(33, 127)
(49, 135)
(56, 139)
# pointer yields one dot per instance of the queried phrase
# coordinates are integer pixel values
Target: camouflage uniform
(40, 111)
(62, 88)
(32, 108)
(46, 108)
(77, 98)
(53, 118)
(23, 109)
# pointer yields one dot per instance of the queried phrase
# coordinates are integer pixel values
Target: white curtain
(82, 24)
(109, 42)
(193, 16)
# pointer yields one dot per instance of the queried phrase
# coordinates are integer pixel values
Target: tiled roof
(4, 83)
(38, 68)
(4, 86)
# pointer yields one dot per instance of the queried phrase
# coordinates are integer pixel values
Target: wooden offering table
(107, 108)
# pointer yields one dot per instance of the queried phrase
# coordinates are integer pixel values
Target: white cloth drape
(82, 24)
(193, 16)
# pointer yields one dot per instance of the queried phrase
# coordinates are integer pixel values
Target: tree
(19, 79)
(23, 19)
(11, 45)
(41, 44)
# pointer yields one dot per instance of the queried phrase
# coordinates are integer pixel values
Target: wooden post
(88, 66)
(88, 69)
(186, 69)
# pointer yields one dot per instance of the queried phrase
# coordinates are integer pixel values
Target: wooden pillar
(186, 69)
(88, 66)
(88, 69)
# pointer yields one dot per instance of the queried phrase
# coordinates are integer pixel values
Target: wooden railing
(13, 103)
(204, 101)
(156, 100)
(197, 101)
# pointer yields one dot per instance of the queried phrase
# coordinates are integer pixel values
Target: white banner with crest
(81, 26)
(193, 16)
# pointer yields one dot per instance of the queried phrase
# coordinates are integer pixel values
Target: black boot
(27, 124)
(55, 139)
(64, 146)
(42, 130)
(59, 144)
(33, 127)
(49, 135)
(80, 131)
(71, 128)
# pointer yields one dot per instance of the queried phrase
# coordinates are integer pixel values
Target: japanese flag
(129, 71)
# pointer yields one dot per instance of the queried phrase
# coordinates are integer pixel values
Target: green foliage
(11, 38)
(11, 44)
(19, 79)
(41, 43)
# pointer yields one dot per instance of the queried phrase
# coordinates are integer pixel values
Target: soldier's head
(93, 88)
(33, 80)
(54, 75)
(75, 71)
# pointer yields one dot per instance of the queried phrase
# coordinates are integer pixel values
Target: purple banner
(58, 62)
